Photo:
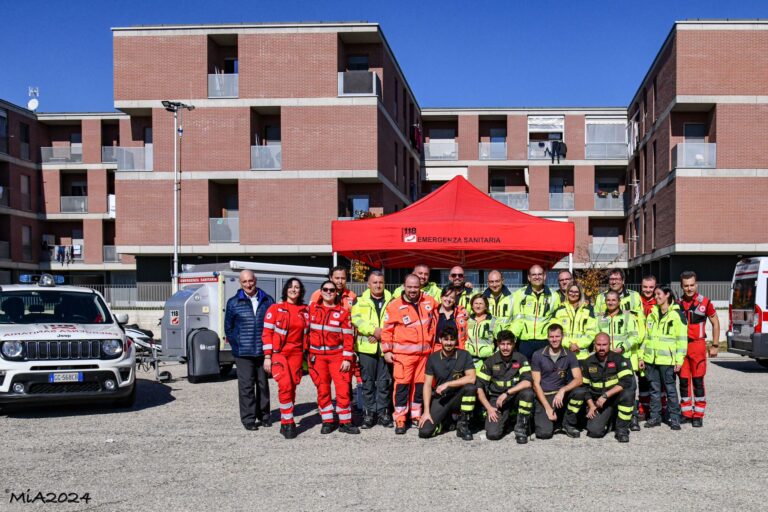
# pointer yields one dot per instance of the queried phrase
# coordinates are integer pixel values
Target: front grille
(43, 388)
(65, 349)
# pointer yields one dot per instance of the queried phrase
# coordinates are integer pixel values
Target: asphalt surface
(182, 448)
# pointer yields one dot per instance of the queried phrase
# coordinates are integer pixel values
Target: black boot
(369, 420)
(462, 428)
(385, 420)
(290, 431)
(348, 428)
(328, 427)
(622, 436)
(521, 429)
(634, 424)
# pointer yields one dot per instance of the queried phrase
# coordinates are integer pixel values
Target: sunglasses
(457, 275)
(329, 290)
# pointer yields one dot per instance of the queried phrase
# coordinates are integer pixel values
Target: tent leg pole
(570, 262)
(335, 258)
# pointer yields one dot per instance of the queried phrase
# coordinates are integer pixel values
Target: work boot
(521, 429)
(634, 424)
(674, 425)
(400, 428)
(572, 432)
(622, 437)
(385, 420)
(266, 421)
(290, 431)
(653, 422)
(685, 419)
(328, 427)
(348, 428)
(369, 420)
(462, 428)
(284, 430)
(697, 422)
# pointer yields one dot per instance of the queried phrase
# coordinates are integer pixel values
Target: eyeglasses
(329, 290)
(457, 275)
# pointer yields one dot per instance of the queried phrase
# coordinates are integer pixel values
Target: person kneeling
(504, 383)
(608, 381)
(452, 372)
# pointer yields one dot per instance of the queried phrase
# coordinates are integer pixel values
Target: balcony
(74, 204)
(492, 150)
(111, 255)
(359, 83)
(609, 202)
(5, 250)
(62, 155)
(224, 230)
(222, 85)
(516, 200)
(4, 196)
(607, 252)
(109, 154)
(267, 157)
(561, 201)
(606, 151)
(697, 155)
(64, 254)
(441, 151)
(539, 150)
(134, 159)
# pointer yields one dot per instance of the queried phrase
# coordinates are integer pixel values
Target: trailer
(199, 306)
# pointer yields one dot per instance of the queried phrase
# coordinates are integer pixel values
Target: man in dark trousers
(243, 325)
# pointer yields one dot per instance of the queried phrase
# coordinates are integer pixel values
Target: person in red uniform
(646, 294)
(330, 345)
(339, 276)
(286, 327)
(697, 310)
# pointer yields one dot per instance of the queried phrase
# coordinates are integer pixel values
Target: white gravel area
(182, 447)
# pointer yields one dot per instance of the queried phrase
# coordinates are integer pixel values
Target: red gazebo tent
(455, 225)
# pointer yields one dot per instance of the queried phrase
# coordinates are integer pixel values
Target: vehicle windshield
(52, 306)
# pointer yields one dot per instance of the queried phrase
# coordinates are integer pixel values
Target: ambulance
(62, 344)
(748, 310)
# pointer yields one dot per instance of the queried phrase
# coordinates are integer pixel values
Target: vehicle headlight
(111, 348)
(12, 349)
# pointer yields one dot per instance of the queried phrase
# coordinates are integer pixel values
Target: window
(358, 205)
(357, 63)
(653, 163)
(397, 90)
(638, 234)
(606, 138)
(3, 131)
(405, 111)
(26, 198)
(498, 184)
(397, 157)
(498, 135)
(230, 66)
(655, 108)
(653, 227)
(694, 132)
(26, 243)
(272, 135)
(24, 141)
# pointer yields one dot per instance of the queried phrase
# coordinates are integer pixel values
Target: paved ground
(182, 448)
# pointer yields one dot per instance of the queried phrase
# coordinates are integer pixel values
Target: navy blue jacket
(242, 328)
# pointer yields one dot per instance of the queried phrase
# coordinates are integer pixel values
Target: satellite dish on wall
(32, 104)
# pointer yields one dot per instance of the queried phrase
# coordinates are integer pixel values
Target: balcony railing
(561, 201)
(109, 154)
(74, 204)
(609, 202)
(603, 252)
(5, 250)
(267, 157)
(63, 254)
(516, 200)
(539, 150)
(62, 155)
(700, 155)
(441, 151)
(492, 150)
(111, 255)
(222, 85)
(134, 159)
(359, 83)
(4, 196)
(223, 230)
(606, 151)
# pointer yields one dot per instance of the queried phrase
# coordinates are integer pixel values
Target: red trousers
(408, 373)
(286, 370)
(326, 369)
(692, 379)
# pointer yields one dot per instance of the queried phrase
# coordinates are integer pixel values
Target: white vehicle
(62, 344)
(748, 310)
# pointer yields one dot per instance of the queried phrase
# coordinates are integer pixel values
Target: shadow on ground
(743, 365)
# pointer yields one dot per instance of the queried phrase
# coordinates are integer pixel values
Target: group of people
(539, 360)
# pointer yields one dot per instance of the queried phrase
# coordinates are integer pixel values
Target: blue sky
(454, 53)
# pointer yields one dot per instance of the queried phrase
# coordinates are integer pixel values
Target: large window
(606, 138)
(3, 131)
(52, 306)
(24, 141)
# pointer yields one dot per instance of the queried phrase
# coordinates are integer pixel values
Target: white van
(748, 310)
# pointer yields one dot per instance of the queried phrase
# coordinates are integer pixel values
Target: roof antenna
(33, 102)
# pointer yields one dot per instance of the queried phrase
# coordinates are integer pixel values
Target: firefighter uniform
(497, 376)
(431, 289)
(599, 377)
(408, 333)
(629, 300)
(697, 310)
(453, 400)
(556, 373)
(531, 314)
(481, 337)
(665, 345)
(286, 327)
(367, 316)
(501, 306)
(579, 327)
(330, 343)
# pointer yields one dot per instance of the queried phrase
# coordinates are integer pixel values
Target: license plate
(65, 377)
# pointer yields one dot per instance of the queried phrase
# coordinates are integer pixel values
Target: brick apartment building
(298, 124)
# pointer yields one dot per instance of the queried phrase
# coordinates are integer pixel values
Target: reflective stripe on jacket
(629, 300)
(666, 341)
(481, 336)
(286, 327)
(366, 320)
(531, 313)
(625, 332)
(330, 331)
(409, 328)
(579, 327)
(501, 306)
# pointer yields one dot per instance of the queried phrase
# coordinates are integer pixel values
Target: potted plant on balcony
(615, 193)
(602, 193)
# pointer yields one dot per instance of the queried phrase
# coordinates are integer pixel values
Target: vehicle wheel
(225, 369)
(127, 401)
(762, 362)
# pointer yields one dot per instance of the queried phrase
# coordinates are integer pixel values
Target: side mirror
(122, 318)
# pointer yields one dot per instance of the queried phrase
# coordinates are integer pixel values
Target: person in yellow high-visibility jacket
(429, 287)
(577, 317)
(664, 349)
(532, 310)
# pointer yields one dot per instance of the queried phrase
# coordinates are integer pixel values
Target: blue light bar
(35, 278)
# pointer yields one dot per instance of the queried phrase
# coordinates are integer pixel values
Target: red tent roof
(455, 225)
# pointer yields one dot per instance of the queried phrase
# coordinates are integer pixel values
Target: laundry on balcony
(557, 149)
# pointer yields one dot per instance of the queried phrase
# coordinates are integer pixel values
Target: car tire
(127, 401)
(762, 362)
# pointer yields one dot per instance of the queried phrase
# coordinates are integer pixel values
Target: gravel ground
(182, 448)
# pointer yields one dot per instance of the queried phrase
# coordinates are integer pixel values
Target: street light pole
(175, 106)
